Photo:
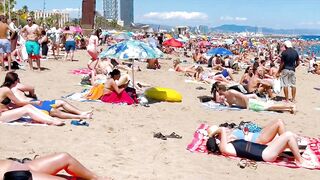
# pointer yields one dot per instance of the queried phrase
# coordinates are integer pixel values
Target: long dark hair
(114, 73)
(10, 79)
(214, 90)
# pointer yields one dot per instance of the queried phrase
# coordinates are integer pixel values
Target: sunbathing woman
(24, 109)
(178, 68)
(55, 108)
(246, 76)
(115, 92)
(250, 101)
(47, 167)
(253, 151)
(266, 135)
(210, 77)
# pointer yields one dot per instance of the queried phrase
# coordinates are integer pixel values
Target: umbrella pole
(133, 74)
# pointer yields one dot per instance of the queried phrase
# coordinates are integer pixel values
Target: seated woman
(23, 109)
(178, 68)
(46, 167)
(249, 101)
(254, 151)
(266, 135)
(115, 93)
(55, 108)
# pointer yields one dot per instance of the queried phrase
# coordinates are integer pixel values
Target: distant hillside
(237, 29)
(231, 28)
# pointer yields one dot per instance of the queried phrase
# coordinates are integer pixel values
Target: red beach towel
(312, 152)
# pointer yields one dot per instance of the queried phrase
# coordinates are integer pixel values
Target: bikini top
(6, 101)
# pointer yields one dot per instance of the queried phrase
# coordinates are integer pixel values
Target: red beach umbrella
(173, 43)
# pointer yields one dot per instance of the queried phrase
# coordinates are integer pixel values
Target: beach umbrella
(172, 43)
(131, 50)
(220, 51)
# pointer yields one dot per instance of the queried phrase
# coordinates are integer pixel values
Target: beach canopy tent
(173, 43)
(131, 50)
(220, 51)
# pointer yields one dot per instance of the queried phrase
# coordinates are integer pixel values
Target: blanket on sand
(311, 153)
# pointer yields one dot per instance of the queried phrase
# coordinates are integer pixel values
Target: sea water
(314, 48)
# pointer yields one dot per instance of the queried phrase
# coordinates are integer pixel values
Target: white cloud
(66, 10)
(229, 18)
(176, 15)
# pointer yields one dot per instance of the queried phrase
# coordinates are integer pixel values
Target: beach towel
(311, 153)
(123, 97)
(25, 121)
(219, 107)
(79, 96)
(95, 92)
(193, 81)
(83, 71)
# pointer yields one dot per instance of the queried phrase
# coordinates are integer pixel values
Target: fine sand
(119, 141)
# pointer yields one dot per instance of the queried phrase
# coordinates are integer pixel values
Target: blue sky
(262, 13)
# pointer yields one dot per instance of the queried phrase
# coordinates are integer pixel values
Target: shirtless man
(258, 85)
(234, 98)
(32, 33)
(5, 45)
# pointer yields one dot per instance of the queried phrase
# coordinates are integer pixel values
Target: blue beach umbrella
(130, 50)
(220, 51)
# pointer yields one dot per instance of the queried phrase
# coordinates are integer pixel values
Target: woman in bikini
(254, 151)
(92, 50)
(23, 108)
(178, 68)
(115, 92)
(46, 167)
(55, 108)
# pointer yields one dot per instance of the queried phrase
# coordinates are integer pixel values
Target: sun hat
(288, 44)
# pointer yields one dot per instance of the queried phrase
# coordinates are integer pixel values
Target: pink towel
(84, 71)
(312, 152)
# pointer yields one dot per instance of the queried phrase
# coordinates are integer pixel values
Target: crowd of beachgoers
(266, 65)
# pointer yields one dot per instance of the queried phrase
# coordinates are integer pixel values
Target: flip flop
(159, 135)
(174, 135)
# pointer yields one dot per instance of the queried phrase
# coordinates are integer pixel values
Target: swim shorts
(46, 105)
(5, 46)
(288, 78)
(33, 47)
(70, 45)
(257, 105)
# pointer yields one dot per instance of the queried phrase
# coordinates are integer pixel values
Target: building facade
(63, 16)
(127, 12)
(111, 9)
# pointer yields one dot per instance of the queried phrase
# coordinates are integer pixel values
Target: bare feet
(87, 115)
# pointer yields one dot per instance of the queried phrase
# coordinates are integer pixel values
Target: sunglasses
(29, 19)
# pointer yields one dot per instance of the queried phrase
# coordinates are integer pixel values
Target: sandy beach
(119, 141)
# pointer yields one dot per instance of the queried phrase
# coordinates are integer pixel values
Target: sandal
(159, 135)
(174, 135)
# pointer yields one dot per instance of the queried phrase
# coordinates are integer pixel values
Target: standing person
(31, 32)
(5, 45)
(13, 34)
(288, 64)
(70, 44)
(44, 44)
(92, 49)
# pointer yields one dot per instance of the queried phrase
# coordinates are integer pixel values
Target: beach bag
(132, 93)
(277, 86)
(86, 80)
(96, 92)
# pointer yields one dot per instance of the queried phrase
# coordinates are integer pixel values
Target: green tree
(12, 4)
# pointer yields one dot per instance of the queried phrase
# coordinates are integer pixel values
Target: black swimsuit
(249, 150)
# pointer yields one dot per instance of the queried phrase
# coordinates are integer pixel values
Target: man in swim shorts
(31, 33)
(5, 45)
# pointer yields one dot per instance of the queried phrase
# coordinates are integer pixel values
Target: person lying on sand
(178, 68)
(23, 108)
(211, 78)
(267, 134)
(46, 167)
(55, 108)
(250, 101)
(254, 151)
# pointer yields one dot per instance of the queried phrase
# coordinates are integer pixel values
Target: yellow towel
(95, 92)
